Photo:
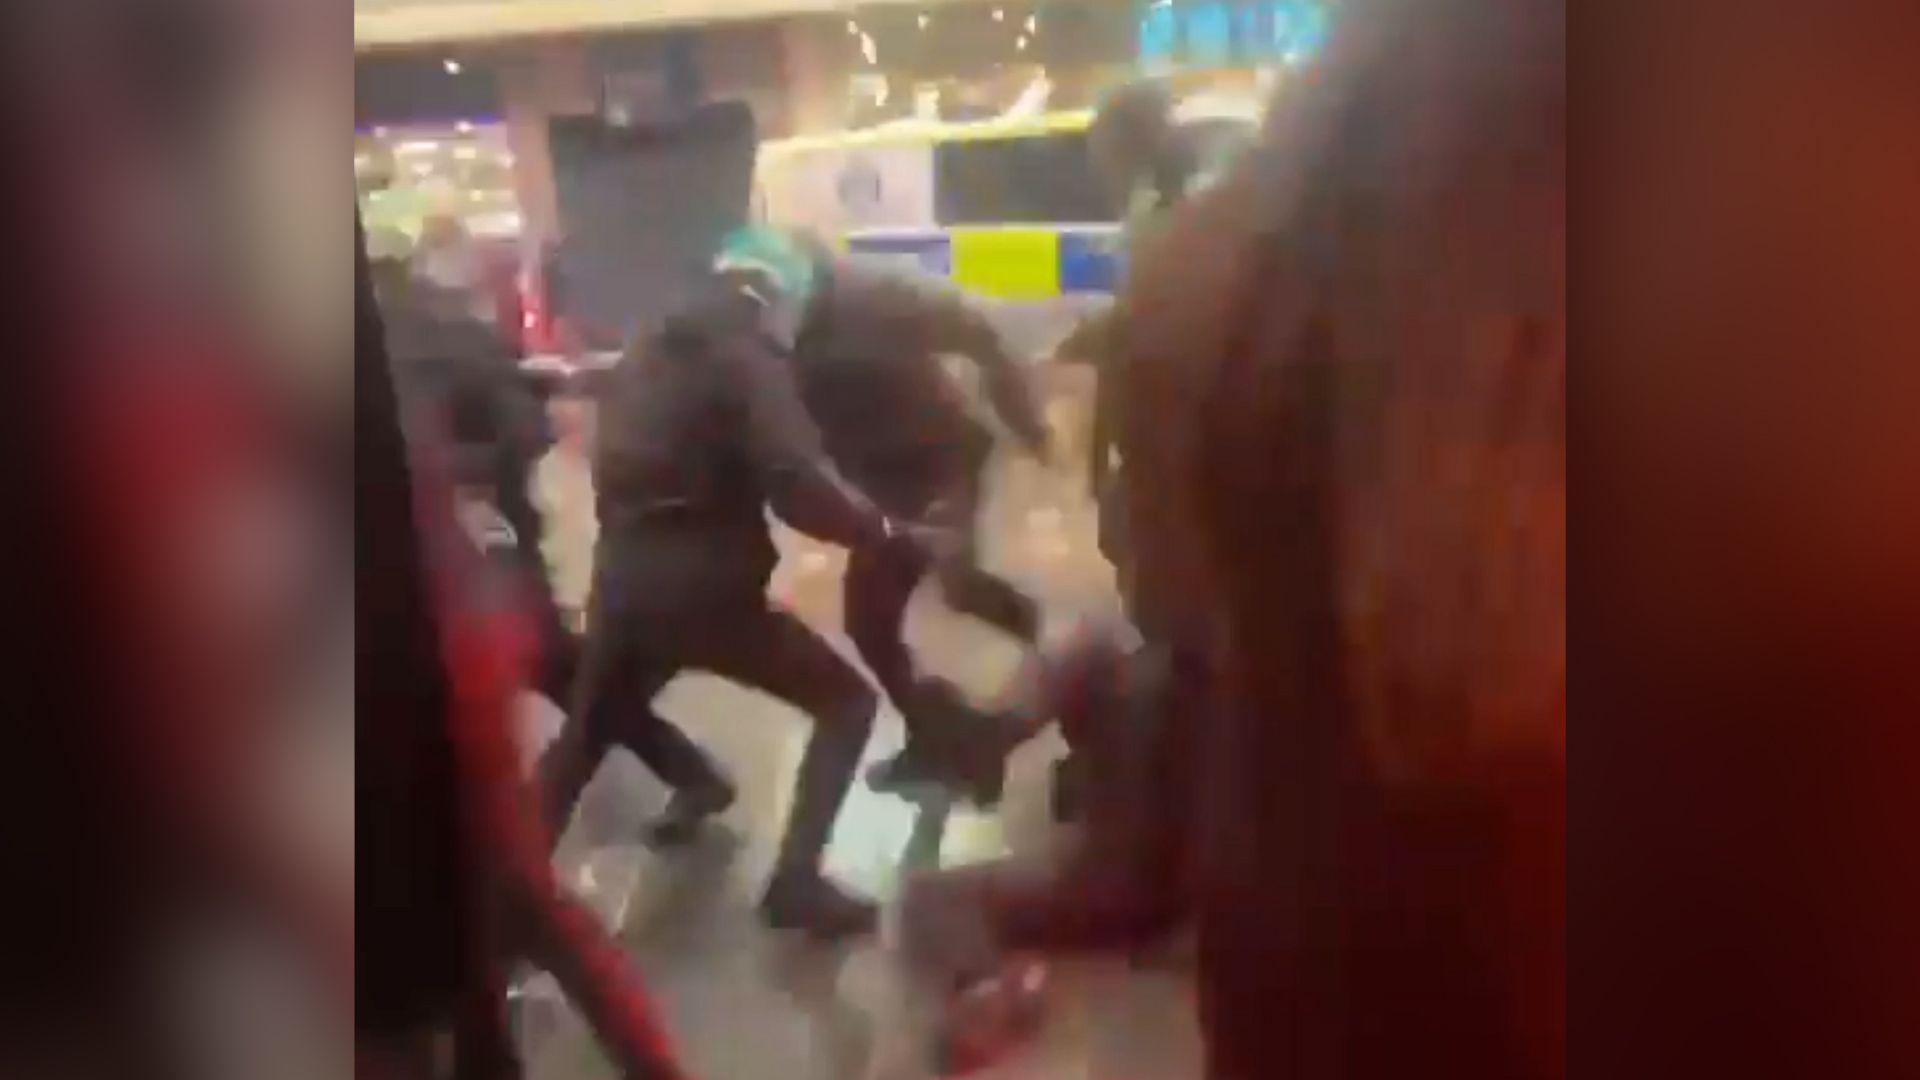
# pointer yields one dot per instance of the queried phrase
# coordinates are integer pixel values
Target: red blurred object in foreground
(989, 1020)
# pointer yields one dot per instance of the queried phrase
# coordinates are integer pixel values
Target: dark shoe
(978, 776)
(914, 767)
(957, 746)
(687, 811)
(803, 900)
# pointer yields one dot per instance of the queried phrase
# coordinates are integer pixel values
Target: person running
(868, 356)
(703, 429)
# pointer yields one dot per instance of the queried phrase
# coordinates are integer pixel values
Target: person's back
(679, 502)
(869, 360)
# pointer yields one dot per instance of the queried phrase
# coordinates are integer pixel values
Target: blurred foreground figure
(1348, 524)
(179, 822)
(455, 872)
(702, 429)
(869, 359)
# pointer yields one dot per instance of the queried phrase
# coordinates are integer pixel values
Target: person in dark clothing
(703, 429)
(1146, 167)
(462, 390)
(868, 357)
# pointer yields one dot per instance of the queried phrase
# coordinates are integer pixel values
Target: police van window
(1030, 180)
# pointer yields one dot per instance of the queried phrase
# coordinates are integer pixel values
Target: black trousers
(631, 652)
(881, 579)
(559, 658)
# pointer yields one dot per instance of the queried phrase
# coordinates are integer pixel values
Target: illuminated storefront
(407, 175)
(1176, 34)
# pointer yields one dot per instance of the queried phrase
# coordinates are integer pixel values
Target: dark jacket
(701, 428)
(869, 364)
(460, 388)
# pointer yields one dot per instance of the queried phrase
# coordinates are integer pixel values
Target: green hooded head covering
(773, 253)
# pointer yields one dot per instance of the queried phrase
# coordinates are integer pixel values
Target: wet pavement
(747, 1003)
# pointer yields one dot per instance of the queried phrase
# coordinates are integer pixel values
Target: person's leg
(559, 648)
(972, 590)
(879, 582)
(612, 702)
(659, 743)
(949, 742)
(571, 760)
(773, 651)
(968, 587)
(700, 789)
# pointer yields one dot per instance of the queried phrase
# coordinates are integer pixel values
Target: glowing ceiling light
(867, 49)
(999, 14)
(379, 131)
(451, 65)
(922, 20)
(853, 28)
(1020, 43)
(464, 127)
(1033, 23)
